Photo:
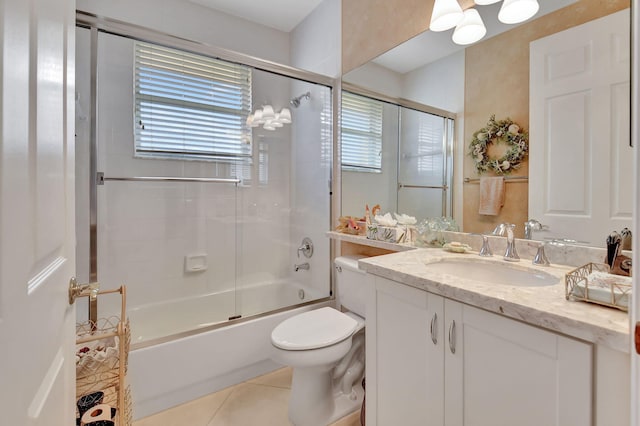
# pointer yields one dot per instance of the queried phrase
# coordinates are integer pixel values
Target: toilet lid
(314, 329)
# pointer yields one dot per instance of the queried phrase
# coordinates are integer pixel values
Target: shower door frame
(448, 143)
(96, 25)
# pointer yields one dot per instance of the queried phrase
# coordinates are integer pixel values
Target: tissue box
(390, 234)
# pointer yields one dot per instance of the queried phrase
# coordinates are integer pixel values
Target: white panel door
(579, 130)
(37, 248)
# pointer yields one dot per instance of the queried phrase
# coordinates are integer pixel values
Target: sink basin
(503, 273)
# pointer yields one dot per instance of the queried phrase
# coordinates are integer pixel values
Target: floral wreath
(499, 131)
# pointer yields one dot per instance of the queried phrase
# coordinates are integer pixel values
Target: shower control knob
(306, 248)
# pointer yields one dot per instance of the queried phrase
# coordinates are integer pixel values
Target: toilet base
(329, 403)
(344, 405)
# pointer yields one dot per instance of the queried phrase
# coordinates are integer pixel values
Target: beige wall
(497, 82)
(371, 27)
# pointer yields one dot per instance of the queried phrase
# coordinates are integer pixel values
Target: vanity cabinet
(408, 343)
(435, 361)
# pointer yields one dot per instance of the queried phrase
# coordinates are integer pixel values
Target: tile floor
(259, 401)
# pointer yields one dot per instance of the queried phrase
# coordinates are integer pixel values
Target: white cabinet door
(506, 373)
(408, 342)
(579, 130)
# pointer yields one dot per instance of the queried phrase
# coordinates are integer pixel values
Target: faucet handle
(541, 258)
(306, 248)
(533, 225)
(500, 229)
(485, 250)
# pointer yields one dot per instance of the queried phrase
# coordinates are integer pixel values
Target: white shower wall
(315, 46)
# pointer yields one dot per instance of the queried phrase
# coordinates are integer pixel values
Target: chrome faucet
(304, 266)
(306, 248)
(511, 254)
(540, 257)
(530, 226)
(500, 229)
(485, 251)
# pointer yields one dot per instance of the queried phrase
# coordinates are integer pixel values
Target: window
(190, 106)
(361, 133)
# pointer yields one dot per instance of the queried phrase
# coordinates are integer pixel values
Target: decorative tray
(593, 283)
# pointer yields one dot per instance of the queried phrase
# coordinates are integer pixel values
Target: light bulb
(446, 15)
(470, 30)
(267, 112)
(268, 125)
(276, 121)
(516, 11)
(285, 116)
(257, 118)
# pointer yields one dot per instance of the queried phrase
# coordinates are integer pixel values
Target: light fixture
(470, 29)
(268, 118)
(446, 15)
(276, 121)
(516, 11)
(285, 116)
(257, 118)
(267, 113)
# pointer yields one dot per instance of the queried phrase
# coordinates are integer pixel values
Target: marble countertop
(544, 307)
(362, 240)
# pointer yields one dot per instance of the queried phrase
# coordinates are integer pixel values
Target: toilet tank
(350, 284)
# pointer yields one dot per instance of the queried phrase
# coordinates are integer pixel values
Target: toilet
(325, 348)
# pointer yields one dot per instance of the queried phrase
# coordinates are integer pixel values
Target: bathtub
(208, 357)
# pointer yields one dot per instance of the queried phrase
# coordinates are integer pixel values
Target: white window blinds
(361, 133)
(188, 105)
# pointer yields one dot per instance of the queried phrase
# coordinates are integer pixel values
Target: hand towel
(491, 195)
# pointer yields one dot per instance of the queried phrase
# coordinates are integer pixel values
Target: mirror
(493, 77)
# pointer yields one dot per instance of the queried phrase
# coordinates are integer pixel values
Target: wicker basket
(102, 352)
(614, 291)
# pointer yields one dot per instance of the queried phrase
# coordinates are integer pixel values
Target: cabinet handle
(434, 329)
(452, 337)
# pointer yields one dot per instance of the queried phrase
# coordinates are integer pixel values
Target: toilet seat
(314, 329)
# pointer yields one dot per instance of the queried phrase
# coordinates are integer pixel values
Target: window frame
(216, 131)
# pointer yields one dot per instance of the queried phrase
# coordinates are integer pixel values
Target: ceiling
(431, 46)
(283, 15)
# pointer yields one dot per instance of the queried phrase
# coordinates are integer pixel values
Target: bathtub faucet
(304, 266)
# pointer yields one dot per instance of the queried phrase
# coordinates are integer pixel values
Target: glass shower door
(424, 164)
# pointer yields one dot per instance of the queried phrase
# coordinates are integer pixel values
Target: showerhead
(295, 102)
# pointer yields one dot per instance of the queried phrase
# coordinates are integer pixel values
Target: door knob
(636, 337)
(77, 290)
